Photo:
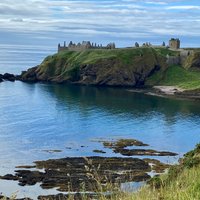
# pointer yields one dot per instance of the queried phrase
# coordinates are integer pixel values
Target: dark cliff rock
(112, 72)
(119, 67)
(29, 75)
(1, 78)
(9, 77)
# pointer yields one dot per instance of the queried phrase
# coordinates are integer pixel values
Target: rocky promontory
(117, 67)
(125, 67)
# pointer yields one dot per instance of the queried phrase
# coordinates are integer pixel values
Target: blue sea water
(36, 118)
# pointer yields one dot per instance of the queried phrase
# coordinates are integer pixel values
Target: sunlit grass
(176, 76)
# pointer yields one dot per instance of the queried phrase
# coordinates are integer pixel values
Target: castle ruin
(174, 43)
(84, 46)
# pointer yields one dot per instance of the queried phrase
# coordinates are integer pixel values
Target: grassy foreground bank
(182, 182)
(176, 76)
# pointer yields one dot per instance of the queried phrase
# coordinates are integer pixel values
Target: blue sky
(47, 22)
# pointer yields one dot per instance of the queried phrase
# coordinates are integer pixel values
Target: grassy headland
(128, 67)
(117, 67)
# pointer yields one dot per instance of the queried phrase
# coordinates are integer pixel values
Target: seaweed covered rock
(122, 146)
(92, 172)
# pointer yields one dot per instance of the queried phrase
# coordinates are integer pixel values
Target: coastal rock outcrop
(1, 78)
(74, 172)
(120, 67)
(8, 77)
(122, 146)
(30, 75)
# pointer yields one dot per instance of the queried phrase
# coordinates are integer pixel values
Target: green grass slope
(182, 182)
(176, 76)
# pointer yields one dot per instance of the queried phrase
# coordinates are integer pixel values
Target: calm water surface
(39, 117)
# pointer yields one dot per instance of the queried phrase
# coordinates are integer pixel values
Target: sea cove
(48, 121)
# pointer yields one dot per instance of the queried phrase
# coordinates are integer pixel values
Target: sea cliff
(117, 67)
(126, 67)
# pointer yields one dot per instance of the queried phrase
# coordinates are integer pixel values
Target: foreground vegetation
(182, 182)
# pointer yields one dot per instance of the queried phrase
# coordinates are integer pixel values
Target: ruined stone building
(84, 46)
(174, 43)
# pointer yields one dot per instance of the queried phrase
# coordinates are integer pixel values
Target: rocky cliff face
(192, 61)
(119, 67)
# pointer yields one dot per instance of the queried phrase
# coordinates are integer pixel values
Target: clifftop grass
(176, 76)
(93, 55)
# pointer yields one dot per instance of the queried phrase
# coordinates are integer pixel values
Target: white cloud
(125, 19)
(187, 7)
(157, 2)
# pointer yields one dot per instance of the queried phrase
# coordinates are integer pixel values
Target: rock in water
(76, 172)
(9, 77)
(30, 75)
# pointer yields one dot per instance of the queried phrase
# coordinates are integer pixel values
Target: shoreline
(152, 185)
(176, 92)
(102, 172)
(157, 90)
(168, 92)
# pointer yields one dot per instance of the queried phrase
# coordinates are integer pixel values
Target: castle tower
(59, 47)
(174, 43)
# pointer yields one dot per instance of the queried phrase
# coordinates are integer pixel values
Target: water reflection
(35, 117)
(119, 101)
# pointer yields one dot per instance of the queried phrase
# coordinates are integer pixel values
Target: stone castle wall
(173, 60)
(174, 43)
(179, 59)
(84, 46)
